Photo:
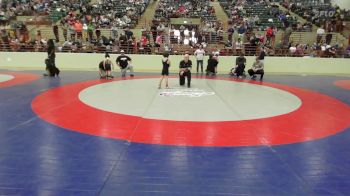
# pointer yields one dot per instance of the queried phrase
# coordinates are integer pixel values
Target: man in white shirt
(257, 68)
(186, 41)
(320, 32)
(199, 53)
(187, 32)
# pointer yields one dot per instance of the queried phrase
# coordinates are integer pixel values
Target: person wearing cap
(124, 62)
(185, 70)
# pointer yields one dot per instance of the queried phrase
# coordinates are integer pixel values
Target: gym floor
(79, 135)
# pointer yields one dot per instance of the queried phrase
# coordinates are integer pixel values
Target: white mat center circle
(218, 100)
(5, 77)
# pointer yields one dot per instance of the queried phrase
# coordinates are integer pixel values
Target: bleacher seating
(318, 12)
(115, 11)
(185, 9)
(210, 31)
(263, 14)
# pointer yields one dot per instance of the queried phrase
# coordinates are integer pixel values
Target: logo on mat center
(193, 92)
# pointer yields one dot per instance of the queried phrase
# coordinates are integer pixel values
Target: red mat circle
(344, 84)
(319, 116)
(19, 78)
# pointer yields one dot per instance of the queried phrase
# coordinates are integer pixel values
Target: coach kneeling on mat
(257, 68)
(185, 71)
(123, 62)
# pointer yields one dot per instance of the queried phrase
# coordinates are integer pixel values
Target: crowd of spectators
(184, 9)
(105, 14)
(119, 13)
(9, 9)
(25, 7)
(209, 30)
(82, 30)
(257, 15)
(331, 18)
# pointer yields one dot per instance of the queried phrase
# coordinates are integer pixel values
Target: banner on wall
(323, 13)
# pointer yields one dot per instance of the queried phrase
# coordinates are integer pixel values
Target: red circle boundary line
(19, 78)
(319, 116)
(344, 84)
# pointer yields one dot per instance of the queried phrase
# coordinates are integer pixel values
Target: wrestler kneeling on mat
(238, 69)
(212, 65)
(185, 70)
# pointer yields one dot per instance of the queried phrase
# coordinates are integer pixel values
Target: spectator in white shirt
(187, 32)
(320, 32)
(199, 53)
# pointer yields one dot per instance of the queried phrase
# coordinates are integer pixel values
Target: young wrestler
(108, 65)
(165, 70)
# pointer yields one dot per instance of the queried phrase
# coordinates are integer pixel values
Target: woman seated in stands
(296, 50)
(331, 51)
(254, 41)
(228, 44)
(257, 68)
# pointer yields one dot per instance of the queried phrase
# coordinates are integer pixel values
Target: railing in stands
(176, 49)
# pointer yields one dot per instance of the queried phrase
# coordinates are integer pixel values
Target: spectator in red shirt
(181, 9)
(270, 35)
(144, 41)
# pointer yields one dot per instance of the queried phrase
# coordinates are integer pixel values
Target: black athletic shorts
(108, 67)
(165, 72)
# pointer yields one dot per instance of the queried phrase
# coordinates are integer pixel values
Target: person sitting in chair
(257, 68)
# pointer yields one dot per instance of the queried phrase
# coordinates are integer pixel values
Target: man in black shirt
(123, 62)
(238, 70)
(212, 65)
(185, 71)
